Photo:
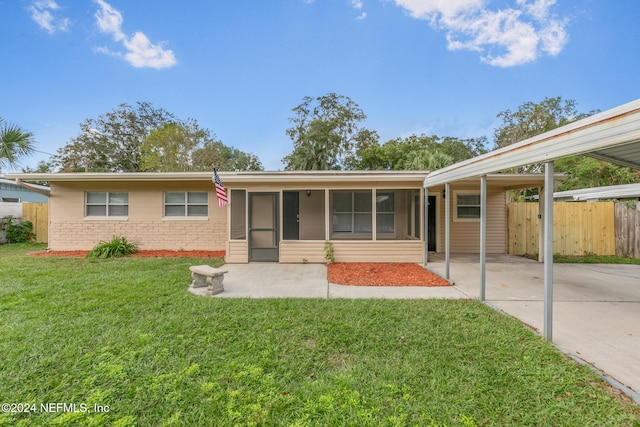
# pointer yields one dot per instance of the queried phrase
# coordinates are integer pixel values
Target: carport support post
(426, 226)
(548, 250)
(483, 235)
(447, 228)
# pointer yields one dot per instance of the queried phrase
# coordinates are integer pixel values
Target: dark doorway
(291, 215)
(431, 223)
(263, 227)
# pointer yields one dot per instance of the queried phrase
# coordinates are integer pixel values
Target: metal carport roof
(613, 135)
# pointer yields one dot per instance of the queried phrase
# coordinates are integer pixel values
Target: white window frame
(107, 204)
(185, 203)
(457, 193)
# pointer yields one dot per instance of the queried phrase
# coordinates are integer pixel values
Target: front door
(263, 227)
(291, 215)
(431, 224)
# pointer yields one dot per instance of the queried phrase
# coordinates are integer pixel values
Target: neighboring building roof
(10, 189)
(626, 191)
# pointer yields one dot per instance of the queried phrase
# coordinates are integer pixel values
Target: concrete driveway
(596, 307)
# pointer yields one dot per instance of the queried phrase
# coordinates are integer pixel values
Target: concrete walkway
(271, 280)
(596, 307)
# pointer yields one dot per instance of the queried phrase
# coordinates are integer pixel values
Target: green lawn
(590, 259)
(127, 335)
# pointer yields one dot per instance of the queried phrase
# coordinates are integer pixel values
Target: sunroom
(290, 217)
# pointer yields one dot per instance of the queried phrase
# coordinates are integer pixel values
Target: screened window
(238, 216)
(385, 213)
(186, 204)
(103, 203)
(352, 216)
(467, 206)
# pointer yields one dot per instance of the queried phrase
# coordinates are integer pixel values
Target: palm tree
(427, 160)
(14, 144)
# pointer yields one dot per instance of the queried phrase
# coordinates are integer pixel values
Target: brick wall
(69, 229)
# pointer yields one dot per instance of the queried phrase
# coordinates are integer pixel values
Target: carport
(613, 135)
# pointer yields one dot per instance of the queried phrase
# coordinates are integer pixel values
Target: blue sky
(443, 67)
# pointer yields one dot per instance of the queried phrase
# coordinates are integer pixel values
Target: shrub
(17, 232)
(116, 247)
(329, 255)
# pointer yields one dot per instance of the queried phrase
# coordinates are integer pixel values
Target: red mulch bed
(142, 254)
(382, 274)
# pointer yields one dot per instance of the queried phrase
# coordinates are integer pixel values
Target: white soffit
(613, 135)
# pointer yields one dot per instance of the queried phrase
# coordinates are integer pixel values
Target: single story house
(376, 216)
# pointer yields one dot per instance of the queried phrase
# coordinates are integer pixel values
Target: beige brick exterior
(70, 229)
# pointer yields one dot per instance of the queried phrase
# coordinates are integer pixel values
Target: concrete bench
(205, 275)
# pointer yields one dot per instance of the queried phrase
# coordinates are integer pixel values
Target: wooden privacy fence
(38, 214)
(627, 226)
(578, 228)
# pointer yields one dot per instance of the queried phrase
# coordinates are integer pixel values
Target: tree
(415, 152)
(15, 143)
(113, 141)
(185, 146)
(224, 158)
(42, 167)
(326, 128)
(427, 160)
(145, 138)
(586, 172)
(170, 147)
(532, 119)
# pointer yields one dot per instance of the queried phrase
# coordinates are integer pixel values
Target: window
(186, 204)
(467, 206)
(385, 213)
(10, 200)
(103, 203)
(352, 216)
(238, 217)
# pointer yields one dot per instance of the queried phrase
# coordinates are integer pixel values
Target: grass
(590, 259)
(126, 334)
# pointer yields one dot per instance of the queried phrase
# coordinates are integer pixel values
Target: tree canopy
(415, 152)
(144, 138)
(326, 132)
(15, 143)
(532, 119)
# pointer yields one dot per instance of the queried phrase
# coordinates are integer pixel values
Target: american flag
(220, 193)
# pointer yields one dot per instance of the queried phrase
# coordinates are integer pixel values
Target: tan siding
(465, 236)
(298, 250)
(237, 252)
(379, 251)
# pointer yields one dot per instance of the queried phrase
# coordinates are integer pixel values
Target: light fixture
(308, 193)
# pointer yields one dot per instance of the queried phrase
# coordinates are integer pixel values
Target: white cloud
(41, 13)
(140, 52)
(358, 5)
(505, 37)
